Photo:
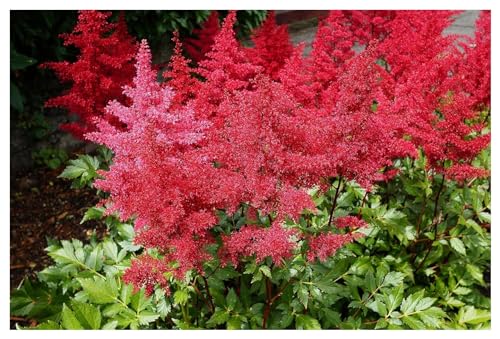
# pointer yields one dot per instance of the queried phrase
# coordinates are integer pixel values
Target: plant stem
(205, 300)
(267, 308)
(362, 204)
(210, 298)
(434, 224)
(334, 204)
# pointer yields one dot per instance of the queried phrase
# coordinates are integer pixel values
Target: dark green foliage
(50, 157)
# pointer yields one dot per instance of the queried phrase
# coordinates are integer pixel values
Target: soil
(43, 207)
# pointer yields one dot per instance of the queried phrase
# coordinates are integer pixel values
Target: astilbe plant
(103, 66)
(251, 131)
(203, 38)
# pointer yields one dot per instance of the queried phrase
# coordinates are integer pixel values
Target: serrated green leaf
(458, 245)
(181, 297)
(146, 317)
(378, 307)
(413, 323)
(48, 325)
(68, 319)
(84, 167)
(256, 277)
(475, 272)
(306, 322)
(218, 318)
(432, 317)
(370, 282)
(266, 271)
(409, 303)
(473, 316)
(112, 310)
(93, 260)
(98, 290)
(393, 279)
(139, 301)
(424, 304)
(462, 290)
(394, 299)
(93, 213)
(110, 250)
(233, 323)
(303, 295)
(126, 293)
(231, 299)
(110, 325)
(87, 314)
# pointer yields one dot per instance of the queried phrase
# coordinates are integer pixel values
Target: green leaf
(181, 297)
(19, 61)
(93, 260)
(305, 322)
(218, 318)
(146, 317)
(462, 290)
(110, 325)
(233, 324)
(64, 255)
(394, 299)
(473, 316)
(139, 301)
(87, 314)
(48, 325)
(231, 299)
(432, 317)
(370, 282)
(126, 293)
(303, 295)
(409, 303)
(16, 98)
(458, 245)
(68, 319)
(393, 279)
(378, 307)
(475, 272)
(93, 213)
(110, 250)
(424, 304)
(413, 323)
(84, 167)
(98, 290)
(266, 271)
(112, 310)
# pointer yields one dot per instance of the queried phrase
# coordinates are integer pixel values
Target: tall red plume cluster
(103, 67)
(257, 127)
(203, 38)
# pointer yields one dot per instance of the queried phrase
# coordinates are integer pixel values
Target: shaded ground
(43, 206)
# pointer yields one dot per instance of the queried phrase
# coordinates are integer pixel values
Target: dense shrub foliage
(344, 189)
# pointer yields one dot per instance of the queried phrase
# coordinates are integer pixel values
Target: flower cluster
(259, 126)
(103, 67)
